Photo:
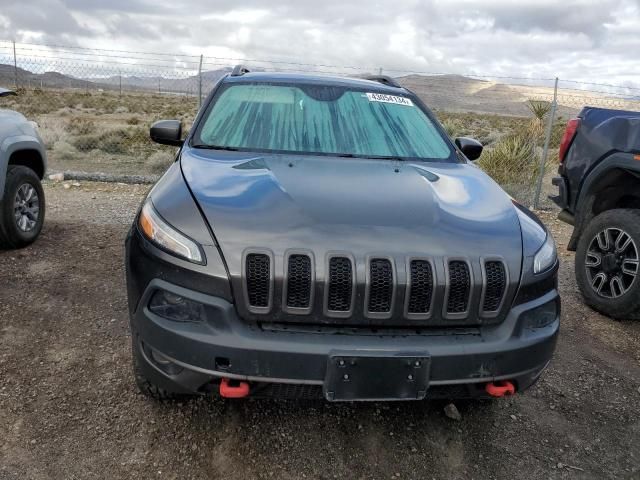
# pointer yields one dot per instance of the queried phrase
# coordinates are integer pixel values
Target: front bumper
(224, 346)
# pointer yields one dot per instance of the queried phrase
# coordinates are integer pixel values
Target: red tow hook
(229, 391)
(500, 389)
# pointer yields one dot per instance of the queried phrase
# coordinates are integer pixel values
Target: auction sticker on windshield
(384, 98)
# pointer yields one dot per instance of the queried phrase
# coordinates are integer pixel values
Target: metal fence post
(200, 83)
(545, 149)
(15, 65)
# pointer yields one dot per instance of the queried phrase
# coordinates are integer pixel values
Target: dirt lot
(69, 408)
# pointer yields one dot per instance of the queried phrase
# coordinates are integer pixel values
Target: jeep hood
(361, 206)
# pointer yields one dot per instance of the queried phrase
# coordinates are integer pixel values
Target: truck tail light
(567, 138)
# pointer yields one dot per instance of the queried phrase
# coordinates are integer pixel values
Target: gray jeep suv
(323, 237)
(23, 164)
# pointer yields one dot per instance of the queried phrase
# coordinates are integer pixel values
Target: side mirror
(472, 149)
(167, 132)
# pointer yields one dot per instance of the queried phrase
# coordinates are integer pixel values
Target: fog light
(541, 316)
(174, 307)
(163, 362)
(159, 358)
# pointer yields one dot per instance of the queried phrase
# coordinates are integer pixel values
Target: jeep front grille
(258, 278)
(495, 284)
(459, 287)
(340, 284)
(421, 287)
(380, 285)
(298, 281)
(375, 290)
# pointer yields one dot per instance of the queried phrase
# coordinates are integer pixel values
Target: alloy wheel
(26, 207)
(611, 262)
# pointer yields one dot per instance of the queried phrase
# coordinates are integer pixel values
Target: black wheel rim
(612, 263)
(26, 207)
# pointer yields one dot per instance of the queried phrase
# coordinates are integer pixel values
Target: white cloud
(579, 39)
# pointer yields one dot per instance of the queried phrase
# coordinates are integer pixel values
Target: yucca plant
(511, 161)
(539, 109)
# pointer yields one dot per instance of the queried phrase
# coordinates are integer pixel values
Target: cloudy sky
(574, 39)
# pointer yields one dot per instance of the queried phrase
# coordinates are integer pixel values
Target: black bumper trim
(503, 351)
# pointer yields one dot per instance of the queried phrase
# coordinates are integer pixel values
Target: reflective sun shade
(320, 119)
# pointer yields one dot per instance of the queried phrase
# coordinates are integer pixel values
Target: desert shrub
(452, 126)
(51, 130)
(109, 142)
(63, 149)
(113, 142)
(119, 141)
(159, 161)
(511, 161)
(84, 143)
(81, 126)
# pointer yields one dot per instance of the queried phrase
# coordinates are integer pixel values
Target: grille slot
(421, 291)
(495, 285)
(340, 292)
(459, 287)
(381, 285)
(299, 281)
(258, 278)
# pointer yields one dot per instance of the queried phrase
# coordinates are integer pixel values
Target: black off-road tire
(626, 306)
(147, 387)
(11, 236)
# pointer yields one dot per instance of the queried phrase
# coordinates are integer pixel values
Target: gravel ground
(69, 407)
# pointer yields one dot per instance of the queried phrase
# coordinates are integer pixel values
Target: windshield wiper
(387, 157)
(215, 147)
(372, 157)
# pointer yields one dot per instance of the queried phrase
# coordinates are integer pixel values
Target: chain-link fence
(94, 107)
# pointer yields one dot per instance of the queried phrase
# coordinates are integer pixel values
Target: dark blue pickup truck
(599, 193)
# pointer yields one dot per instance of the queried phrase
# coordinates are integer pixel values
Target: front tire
(607, 261)
(22, 208)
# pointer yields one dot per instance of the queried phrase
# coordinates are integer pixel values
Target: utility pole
(200, 83)
(545, 149)
(120, 79)
(15, 65)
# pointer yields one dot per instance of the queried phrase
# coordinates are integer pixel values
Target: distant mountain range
(454, 93)
(188, 85)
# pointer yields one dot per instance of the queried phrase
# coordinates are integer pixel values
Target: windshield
(321, 120)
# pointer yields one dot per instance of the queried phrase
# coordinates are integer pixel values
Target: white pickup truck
(23, 163)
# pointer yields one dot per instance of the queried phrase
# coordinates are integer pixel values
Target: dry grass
(102, 131)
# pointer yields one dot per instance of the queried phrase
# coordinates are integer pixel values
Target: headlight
(176, 308)
(166, 237)
(546, 256)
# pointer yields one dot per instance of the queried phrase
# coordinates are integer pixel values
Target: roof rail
(385, 80)
(239, 70)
